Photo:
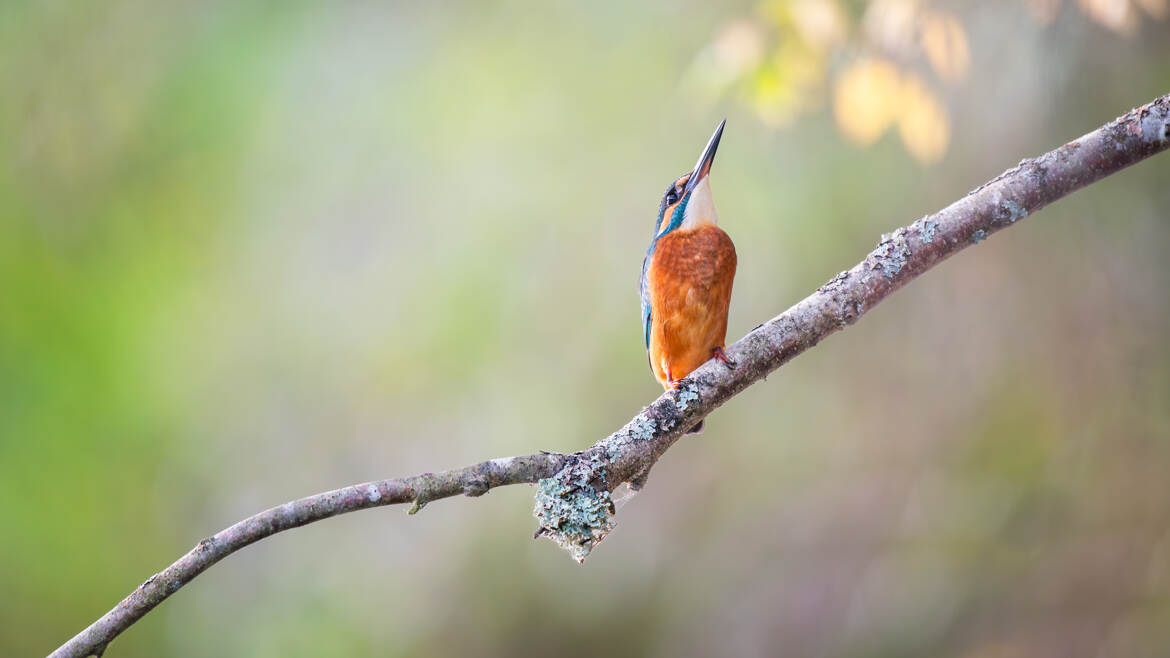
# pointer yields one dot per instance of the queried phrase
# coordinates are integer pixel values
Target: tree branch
(573, 502)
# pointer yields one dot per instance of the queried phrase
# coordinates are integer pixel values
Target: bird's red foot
(721, 357)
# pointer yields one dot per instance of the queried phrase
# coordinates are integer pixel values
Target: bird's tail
(696, 429)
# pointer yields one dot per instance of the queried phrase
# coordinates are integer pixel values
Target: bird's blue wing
(644, 292)
(644, 283)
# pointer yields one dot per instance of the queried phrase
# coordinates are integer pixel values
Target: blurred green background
(254, 250)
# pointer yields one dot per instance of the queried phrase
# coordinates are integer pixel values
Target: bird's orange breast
(689, 278)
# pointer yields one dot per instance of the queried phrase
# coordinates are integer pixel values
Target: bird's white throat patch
(700, 208)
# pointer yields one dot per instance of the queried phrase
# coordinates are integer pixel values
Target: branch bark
(573, 497)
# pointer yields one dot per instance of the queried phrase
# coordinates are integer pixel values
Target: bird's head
(687, 202)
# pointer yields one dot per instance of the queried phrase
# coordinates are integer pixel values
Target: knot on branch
(476, 486)
(574, 506)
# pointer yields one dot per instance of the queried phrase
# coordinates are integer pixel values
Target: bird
(687, 276)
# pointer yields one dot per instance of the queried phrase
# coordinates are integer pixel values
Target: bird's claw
(722, 357)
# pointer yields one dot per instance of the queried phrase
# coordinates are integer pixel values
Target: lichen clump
(892, 253)
(642, 428)
(571, 511)
(1015, 211)
(687, 393)
(613, 449)
(927, 230)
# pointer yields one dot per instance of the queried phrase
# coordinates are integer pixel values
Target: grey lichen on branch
(574, 494)
(572, 510)
(574, 507)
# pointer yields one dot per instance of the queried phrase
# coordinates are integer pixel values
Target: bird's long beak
(703, 167)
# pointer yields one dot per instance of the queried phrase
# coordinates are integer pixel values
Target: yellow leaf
(774, 101)
(787, 84)
(866, 99)
(923, 122)
(945, 44)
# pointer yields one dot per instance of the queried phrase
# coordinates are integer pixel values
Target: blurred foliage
(885, 63)
(251, 251)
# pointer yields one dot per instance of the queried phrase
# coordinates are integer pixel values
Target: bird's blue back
(676, 219)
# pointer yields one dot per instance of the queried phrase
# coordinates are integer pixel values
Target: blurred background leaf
(251, 251)
(874, 54)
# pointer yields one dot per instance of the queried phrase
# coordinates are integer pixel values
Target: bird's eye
(672, 196)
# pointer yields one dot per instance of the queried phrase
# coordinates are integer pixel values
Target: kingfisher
(687, 277)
